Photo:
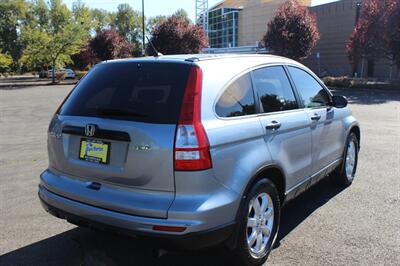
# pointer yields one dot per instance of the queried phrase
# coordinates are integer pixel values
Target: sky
(158, 7)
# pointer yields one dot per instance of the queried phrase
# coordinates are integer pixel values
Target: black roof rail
(192, 59)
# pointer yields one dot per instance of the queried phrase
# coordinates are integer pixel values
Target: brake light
(192, 150)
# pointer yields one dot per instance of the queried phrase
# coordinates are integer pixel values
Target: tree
(48, 49)
(363, 42)
(12, 13)
(53, 42)
(293, 32)
(182, 13)
(152, 22)
(38, 15)
(84, 59)
(5, 63)
(59, 15)
(109, 44)
(393, 30)
(82, 15)
(128, 23)
(177, 35)
(100, 19)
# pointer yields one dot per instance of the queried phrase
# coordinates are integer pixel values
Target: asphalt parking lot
(359, 225)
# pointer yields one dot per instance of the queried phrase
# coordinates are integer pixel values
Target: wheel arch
(356, 130)
(275, 174)
(272, 172)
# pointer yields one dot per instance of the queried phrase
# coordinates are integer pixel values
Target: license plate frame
(99, 153)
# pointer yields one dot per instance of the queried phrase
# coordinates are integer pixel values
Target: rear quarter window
(138, 91)
(237, 99)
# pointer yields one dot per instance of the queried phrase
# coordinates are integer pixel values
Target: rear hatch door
(117, 129)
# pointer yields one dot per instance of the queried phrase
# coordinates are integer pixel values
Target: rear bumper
(103, 221)
(207, 221)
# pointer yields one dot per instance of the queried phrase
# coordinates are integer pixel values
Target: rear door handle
(274, 125)
(316, 117)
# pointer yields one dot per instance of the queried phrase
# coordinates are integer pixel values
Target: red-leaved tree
(293, 32)
(84, 59)
(366, 40)
(393, 30)
(177, 35)
(109, 44)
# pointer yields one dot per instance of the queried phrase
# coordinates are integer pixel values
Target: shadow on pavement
(368, 96)
(82, 246)
(296, 211)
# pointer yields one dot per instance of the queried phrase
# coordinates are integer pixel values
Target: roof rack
(192, 59)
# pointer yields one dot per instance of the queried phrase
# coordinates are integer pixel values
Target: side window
(312, 93)
(274, 89)
(237, 99)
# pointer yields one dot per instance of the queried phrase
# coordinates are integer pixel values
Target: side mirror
(339, 101)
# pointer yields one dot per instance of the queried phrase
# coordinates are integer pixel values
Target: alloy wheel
(260, 221)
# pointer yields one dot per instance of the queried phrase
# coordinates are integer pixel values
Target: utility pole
(144, 31)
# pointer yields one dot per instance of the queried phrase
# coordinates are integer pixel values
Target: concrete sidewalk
(22, 81)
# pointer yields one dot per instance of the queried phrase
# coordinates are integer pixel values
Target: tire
(345, 173)
(246, 254)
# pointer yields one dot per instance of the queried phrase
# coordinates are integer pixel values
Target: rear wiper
(118, 112)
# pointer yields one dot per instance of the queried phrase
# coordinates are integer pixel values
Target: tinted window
(237, 99)
(147, 92)
(274, 89)
(312, 93)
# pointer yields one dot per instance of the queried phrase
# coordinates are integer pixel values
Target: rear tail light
(192, 150)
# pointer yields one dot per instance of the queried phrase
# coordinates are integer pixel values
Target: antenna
(156, 52)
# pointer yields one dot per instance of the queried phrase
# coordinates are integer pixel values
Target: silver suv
(197, 149)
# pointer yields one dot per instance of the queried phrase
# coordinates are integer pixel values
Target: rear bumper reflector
(177, 229)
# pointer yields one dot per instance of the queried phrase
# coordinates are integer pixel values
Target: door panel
(327, 134)
(327, 129)
(290, 145)
(287, 129)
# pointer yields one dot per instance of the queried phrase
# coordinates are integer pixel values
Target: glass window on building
(223, 27)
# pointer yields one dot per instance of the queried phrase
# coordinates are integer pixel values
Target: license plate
(95, 151)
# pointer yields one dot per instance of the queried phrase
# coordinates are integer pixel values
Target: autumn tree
(177, 35)
(293, 32)
(109, 44)
(363, 42)
(85, 59)
(182, 13)
(393, 30)
(152, 22)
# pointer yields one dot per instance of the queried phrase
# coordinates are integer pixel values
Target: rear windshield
(145, 92)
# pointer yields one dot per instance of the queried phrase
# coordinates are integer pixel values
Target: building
(239, 26)
(223, 27)
(233, 23)
(336, 22)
